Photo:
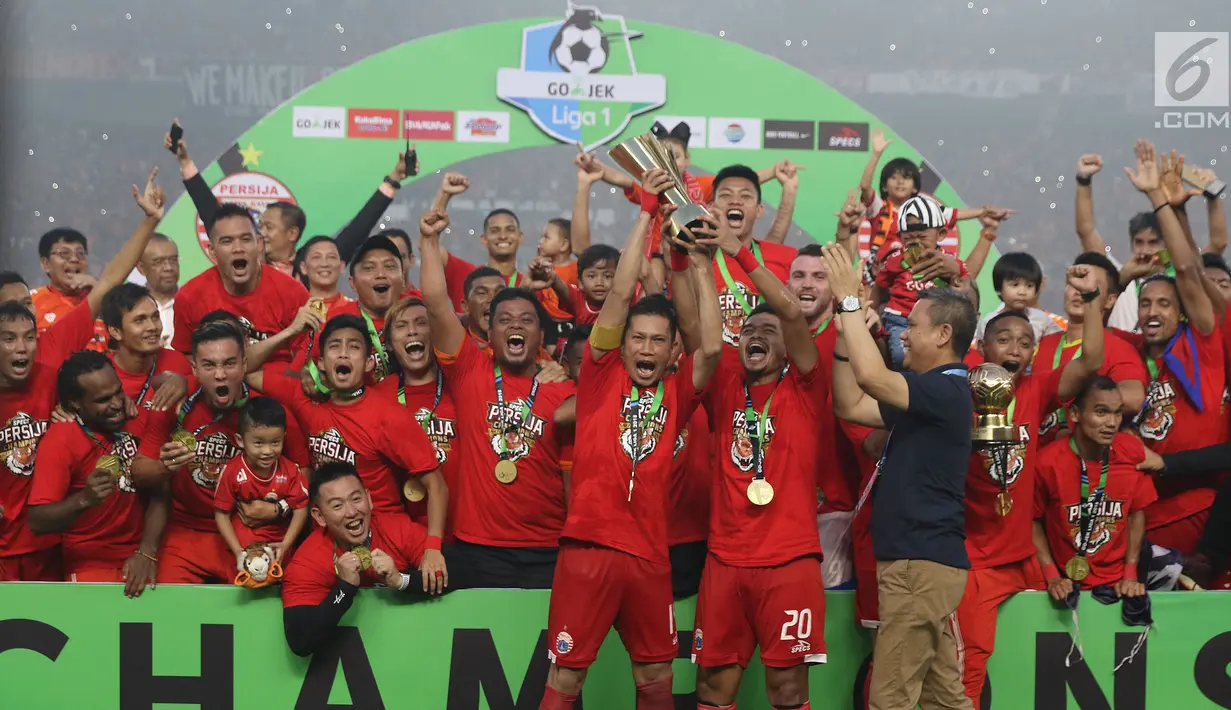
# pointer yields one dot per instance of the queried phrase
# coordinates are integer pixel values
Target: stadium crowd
(700, 412)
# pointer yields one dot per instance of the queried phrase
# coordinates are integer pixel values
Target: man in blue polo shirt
(918, 510)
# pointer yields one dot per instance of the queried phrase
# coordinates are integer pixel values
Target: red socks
(655, 695)
(555, 700)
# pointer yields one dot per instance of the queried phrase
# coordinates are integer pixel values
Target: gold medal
(1077, 568)
(364, 555)
(111, 464)
(319, 307)
(185, 438)
(413, 490)
(760, 492)
(506, 471)
(1004, 503)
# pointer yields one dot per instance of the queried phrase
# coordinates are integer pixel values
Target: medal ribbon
(730, 282)
(638, 423)
(824, 324)
(510, 427)
(192, 400)
(1090, 500)
(378, 346)
(149, 380)
(755, 425)
(108, 450)
(440, 388)
(513, 279)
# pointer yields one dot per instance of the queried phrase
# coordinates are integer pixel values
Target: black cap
(377, 242)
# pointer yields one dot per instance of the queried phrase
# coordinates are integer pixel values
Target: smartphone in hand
(177, 132)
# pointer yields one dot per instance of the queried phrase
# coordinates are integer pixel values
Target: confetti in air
(892, 47)
(1053, 205)
(984, 149)
(1038, 179)
(986, 173)
(269, 26)
(55, 186)
(788, 43)
(992, 50)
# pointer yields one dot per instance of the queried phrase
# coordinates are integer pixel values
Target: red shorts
(192, 557)
(596, 588)
(781, 609)
(1182, 535)
(41, 566)
(95, 572)
(867, 609)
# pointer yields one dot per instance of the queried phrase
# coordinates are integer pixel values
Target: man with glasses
(159, 271)
(64, 257)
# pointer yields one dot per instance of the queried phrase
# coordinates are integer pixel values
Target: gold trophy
(186, 439)
(991, 388)
(639, 155)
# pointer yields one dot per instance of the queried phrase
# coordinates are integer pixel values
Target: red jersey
(856, 434)
(1121, 362)
(699, 188)
(528, 512)
(192, 487)
(903, 289)
(743, 534)
(568, 272)
(837, 466)
(993, 539)
(692, 474)
(1171, 422)
(139, 386)
(334, 301)
(411, 291)
(775, 257)
(25, 412)
(379, 438)
(1058, 503)
(583, 312)
(110, 532)
(973, 358)
(239, 482)
(456, 271)
(439, 421)
(613, 504)
(51, 304)
(268, 310)
(311, 575)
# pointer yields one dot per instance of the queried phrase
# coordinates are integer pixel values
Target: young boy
(922, 224)
(556, 245)
(260, 472)
(1018, 279)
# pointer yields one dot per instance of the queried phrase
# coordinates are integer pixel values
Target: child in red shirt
(922, 223)
(261, 473)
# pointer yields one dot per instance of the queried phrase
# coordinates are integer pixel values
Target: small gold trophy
(111, 464)
(639, 155)
(991, 388)
(186, 439)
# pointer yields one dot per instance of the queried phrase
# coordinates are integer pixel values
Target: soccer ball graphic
(580, 47)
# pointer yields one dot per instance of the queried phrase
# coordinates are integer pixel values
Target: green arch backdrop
(325, 147)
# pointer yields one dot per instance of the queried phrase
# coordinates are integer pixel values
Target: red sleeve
(462, 362)
(962, 265)
(577, 298)
(176, 362)
(887, 274)
(297, 497)
(408, 536)
(306, 583)
(1144, 494)
(1121, 361)
(66, 336)
(287, 390)
(52, 467)
(707, 187)
(687, 396)
(406, 443)
(157, 431)
(224, 493)
(551, 302)
(456, 271)
(185, 322)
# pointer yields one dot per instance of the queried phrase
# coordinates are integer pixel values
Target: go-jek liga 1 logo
(578, 80)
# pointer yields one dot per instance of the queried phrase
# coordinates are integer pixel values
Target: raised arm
(589, 171)
(152, 202)
(787, 174)
(198, 190)
(1217, 212)
(447, 330)
(609, 326)
(683, 291)
(1184, 257)
(858, 351)
(849, 218)
(1083, 279)
(982, 248)
(356, 232)
(867, 192)
(257, 352)
(1087, 167)
(709, 319)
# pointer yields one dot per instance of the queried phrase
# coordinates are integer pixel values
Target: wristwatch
(392, 183)
(850, 304)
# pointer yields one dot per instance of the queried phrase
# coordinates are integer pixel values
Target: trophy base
(686, 216)
(994, 433)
